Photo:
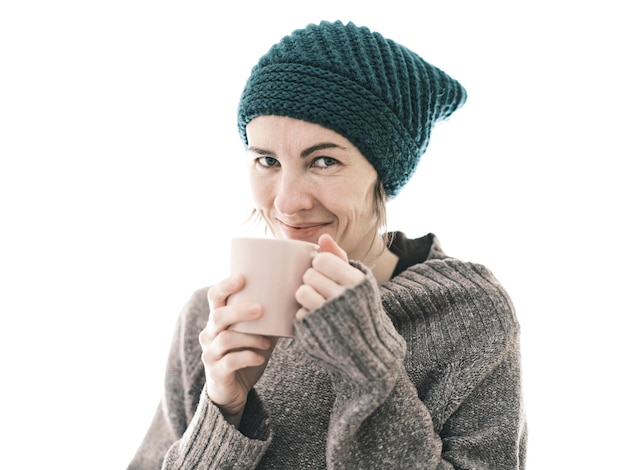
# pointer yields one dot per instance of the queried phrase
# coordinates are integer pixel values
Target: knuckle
(207, 357)
(204, 337)
(230, 362)
(309, 274)
(299, 293)
(213, 293)
(303, 293)
(320, 260)
(356, 275)
(218, 293)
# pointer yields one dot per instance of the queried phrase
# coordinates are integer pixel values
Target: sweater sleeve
(379, 418)
(188, 431)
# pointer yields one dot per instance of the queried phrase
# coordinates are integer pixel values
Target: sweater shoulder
(451, 307)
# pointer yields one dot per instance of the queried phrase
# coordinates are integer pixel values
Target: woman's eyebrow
(305, 153)
(260, 151)
(324, 145)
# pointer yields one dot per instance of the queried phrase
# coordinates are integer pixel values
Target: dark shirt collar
(410, 251)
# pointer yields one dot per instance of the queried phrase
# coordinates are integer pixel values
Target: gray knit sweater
(421, 373)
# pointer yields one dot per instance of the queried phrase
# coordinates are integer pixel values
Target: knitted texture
(378, 94)
(422, 372)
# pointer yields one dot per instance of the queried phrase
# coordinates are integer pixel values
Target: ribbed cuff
(353, 335)
(211, 442)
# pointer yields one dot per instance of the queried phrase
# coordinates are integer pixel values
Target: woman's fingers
(330, 275)
(227, 341)
(233, 363)
(321, 283)
(328, 278)
(222, 318)
(337, 269)
(301, 313)
(328, 245)
(309, 298)
(218, 294)
(231, 352)
(333, 262)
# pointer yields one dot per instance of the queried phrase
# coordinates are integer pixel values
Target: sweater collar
(412, 251)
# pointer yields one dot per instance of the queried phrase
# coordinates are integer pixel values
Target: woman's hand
(233, 361)
(329, 277)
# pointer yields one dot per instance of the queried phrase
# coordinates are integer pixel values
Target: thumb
(328, 245)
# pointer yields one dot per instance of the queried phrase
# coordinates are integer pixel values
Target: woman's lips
(301, 230)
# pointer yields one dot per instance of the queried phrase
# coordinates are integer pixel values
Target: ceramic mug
(273, 271)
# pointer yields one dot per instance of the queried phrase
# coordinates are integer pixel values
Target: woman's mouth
(302, 231)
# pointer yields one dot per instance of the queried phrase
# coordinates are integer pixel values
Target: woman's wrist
(233, 418)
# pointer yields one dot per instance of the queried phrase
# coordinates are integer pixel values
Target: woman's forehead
(272, 131)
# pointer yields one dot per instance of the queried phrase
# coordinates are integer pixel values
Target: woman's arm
(188, 430)
(383, 419)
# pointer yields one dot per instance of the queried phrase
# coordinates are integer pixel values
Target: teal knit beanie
(379, 95)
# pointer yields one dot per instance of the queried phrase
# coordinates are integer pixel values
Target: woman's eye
(324, 162)
(267, 162)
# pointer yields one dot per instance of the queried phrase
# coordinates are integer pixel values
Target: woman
(402, 356)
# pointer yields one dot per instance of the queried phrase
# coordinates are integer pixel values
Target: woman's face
(307, 180)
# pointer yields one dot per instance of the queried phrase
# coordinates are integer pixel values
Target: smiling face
(307, 180)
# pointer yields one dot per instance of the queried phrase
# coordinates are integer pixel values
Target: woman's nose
(293, 194)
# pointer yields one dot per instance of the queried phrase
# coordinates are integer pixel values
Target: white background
(121, 182)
